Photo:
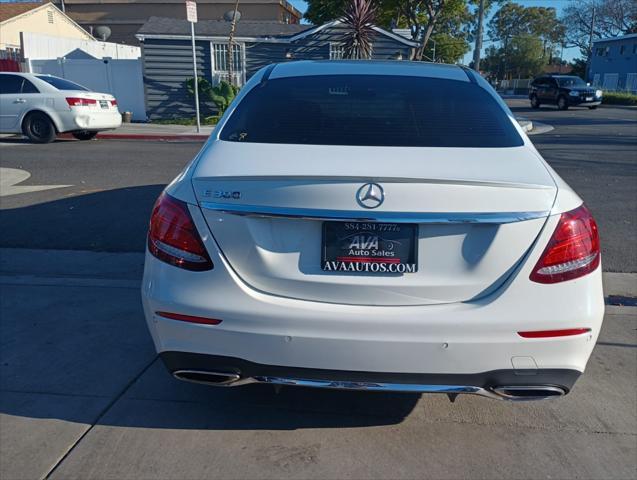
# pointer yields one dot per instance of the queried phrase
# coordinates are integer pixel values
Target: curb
(157, 137)
(527, 125)
(539, 128)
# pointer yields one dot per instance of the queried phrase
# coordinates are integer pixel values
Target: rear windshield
(371, 110)
(61, 83)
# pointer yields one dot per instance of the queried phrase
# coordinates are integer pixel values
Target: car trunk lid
(476, 211)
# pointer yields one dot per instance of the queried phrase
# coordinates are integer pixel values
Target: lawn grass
(619, 98)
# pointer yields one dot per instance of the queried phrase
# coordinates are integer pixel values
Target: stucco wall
(614, 67)
(39, 21)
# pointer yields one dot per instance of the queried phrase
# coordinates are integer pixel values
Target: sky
(569, 53)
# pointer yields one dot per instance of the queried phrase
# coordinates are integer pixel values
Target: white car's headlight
(573, 93)
(598, 93)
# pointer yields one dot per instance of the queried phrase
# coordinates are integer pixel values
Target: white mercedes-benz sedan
(41, 106)
(373, 226)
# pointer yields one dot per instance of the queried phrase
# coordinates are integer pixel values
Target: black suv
(564, 91)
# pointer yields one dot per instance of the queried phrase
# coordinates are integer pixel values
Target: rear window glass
(371, 110)
(61, 83)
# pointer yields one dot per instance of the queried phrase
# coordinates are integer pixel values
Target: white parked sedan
(374, 226)
(41, 106)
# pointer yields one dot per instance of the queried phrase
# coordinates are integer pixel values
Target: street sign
(191, 11)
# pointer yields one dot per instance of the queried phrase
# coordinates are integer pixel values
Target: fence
(121, 78)
(515, 86)
(36, 46)
(616, 82)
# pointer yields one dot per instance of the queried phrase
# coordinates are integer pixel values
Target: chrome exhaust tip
(207, 378)
(528, 392)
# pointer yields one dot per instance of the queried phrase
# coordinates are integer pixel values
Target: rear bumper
(92, 121)
(425, 343)
(494, 384)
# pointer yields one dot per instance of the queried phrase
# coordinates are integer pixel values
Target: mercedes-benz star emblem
(370, 195)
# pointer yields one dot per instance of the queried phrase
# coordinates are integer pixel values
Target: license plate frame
(589, 99)
(104, 104)
(369, 247)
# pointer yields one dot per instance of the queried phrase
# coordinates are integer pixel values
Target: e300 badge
(222, 194)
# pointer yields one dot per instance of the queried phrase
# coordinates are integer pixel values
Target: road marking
(10, 177)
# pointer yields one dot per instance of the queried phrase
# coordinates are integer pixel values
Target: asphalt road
(113, 184)
(595, 151)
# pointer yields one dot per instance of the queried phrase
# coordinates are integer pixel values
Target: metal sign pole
(191, 13)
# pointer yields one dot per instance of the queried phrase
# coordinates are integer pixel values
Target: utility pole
(191, 15)
(590, 46)
(230, 59)
(478, 49)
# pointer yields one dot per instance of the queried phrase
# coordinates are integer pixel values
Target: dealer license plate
(378, 248)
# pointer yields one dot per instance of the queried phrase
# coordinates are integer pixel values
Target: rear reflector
(189, 318)
(173, 237)
(554, 333)
(80, 102)
(572, 251)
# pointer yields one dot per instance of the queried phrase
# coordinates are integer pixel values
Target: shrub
(221, 95)
(619, 98)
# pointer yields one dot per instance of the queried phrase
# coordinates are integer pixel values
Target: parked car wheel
(562, 103)
(39, 128)
(535, 103)
(84, 135)
(593, 107)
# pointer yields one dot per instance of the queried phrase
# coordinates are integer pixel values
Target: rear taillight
(173, 237)
(80, 102)
(573, 250)
(114, 103)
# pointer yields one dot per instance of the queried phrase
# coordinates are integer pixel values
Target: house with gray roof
(167, 54)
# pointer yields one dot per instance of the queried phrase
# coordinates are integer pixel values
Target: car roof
(369, 67)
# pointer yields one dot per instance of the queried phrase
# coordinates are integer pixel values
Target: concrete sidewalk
(84, 396)
(154, 131)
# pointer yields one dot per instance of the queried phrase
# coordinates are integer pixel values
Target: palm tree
(359, 17)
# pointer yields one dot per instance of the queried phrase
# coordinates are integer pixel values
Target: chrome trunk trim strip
(372, 216)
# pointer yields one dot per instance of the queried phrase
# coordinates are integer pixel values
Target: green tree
(514, 21)
(579, 67)
(221, 94)
(449, 49)
(525, 56)
(423, 18)
(612, 18)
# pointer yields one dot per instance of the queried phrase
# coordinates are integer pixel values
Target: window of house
(337, 51)
(606, 51)
(220, 62)
(600, 51)
(50, 16)
(220, 54)
(622, 49)
(634, 47)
